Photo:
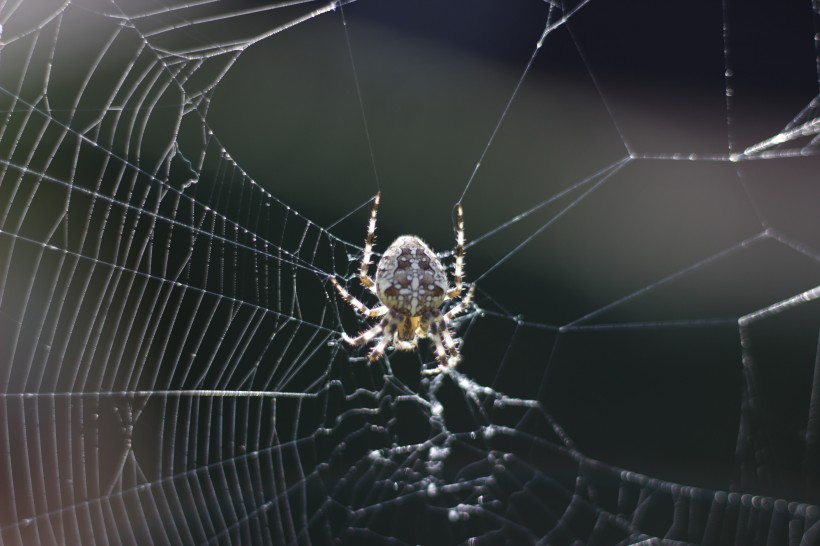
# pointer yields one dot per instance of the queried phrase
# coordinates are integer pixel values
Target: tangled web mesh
(178, 181)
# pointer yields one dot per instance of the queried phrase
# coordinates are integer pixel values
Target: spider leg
(446, 349)
(459, 269)
(367, 282)
(356, 304)
(462, 306)
(365, 336)
(389, 328)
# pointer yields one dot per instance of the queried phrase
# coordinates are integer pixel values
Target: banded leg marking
(356, 304)
(459, 269)
(368, 246)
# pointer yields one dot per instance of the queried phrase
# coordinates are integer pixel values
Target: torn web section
(508, 477)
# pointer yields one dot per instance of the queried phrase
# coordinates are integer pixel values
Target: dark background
(658, 386)
(174, 335)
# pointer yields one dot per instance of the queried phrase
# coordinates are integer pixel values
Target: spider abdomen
(410, 279)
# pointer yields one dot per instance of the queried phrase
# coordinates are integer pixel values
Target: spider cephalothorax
(411, 284)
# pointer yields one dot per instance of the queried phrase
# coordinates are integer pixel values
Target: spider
(411, 284)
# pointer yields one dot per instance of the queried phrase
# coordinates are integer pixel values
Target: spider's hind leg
(458, 273)
(367, 281)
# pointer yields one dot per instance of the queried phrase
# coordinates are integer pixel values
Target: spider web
(178, 180)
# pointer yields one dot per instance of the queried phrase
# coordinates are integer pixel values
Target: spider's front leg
(387, 328)
(388, 325)
(446, 349)
(365, 336)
